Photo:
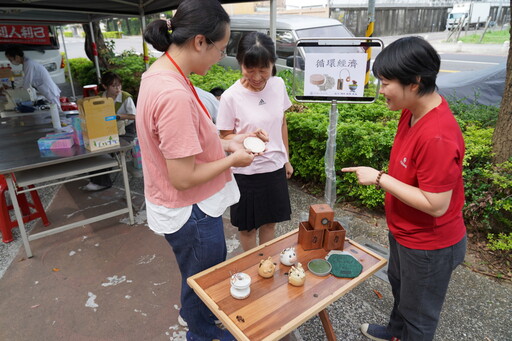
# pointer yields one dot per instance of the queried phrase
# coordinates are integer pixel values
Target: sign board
(334, 69)
(24, 34)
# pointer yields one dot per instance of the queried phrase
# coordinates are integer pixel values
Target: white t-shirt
(245, 111)
(210, 102)
(35, 75)
(167, 220)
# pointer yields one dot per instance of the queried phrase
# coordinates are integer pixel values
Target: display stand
(333, 70)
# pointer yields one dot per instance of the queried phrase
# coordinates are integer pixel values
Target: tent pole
(95, 53)
(67, 63)
(144, 45)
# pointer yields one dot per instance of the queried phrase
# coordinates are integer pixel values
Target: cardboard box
(98, 122)
(6, 73)
(55, 142)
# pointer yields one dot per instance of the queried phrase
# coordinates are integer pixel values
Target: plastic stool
(90, 88)
(6, 224)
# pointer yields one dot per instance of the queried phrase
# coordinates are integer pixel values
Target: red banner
(24, 34)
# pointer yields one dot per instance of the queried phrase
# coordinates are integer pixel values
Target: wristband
(377, 181)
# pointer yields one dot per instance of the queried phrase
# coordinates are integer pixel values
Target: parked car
(484, 86)
(289, 28)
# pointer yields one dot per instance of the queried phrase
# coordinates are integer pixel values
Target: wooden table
(275, 308)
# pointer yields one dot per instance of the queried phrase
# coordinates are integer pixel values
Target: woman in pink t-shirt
(258, 100)
(187, 176)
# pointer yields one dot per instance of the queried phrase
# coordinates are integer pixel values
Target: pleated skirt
(264, 199)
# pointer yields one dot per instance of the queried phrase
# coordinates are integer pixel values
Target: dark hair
(410, 60)
(193, 17)
(256, 49)
(13, 51)
(108, 78)
(217, 91)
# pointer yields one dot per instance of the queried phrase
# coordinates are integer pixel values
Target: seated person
(123, 102)
(125, 112)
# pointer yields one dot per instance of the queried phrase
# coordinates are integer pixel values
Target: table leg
(326, 323)
(17, 212)
(127, 188)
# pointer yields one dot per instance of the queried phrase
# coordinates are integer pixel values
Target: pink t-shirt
(171, 125)
(245, 111)
(427, 155)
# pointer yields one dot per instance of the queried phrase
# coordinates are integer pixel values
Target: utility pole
(369, 33)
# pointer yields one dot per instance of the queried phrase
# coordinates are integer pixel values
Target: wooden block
(334, 237)
(320, 215)
(310, 238)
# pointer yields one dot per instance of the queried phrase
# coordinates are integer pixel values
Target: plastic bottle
(54, 112)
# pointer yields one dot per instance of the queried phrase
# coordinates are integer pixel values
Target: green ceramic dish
(319, 267)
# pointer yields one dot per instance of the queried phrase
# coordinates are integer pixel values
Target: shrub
(113, 35)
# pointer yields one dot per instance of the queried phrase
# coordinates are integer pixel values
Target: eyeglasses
(222, 52)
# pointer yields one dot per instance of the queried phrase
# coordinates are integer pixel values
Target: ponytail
(157, 34)
(193, 17)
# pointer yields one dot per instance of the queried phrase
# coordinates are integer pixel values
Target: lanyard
(189, 84)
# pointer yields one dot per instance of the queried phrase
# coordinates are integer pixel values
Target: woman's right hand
(242, 158)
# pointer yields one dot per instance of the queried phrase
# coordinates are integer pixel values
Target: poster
(334, 74)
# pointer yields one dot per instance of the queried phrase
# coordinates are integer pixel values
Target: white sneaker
(92, 187)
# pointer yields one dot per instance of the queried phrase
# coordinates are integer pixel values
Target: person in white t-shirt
(258, 101)
(34, 75)
(123, 103)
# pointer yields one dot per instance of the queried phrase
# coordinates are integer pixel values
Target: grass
(491, 37)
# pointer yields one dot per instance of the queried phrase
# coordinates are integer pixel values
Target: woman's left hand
(289, 169)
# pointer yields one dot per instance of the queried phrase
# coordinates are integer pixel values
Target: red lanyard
(189, 84)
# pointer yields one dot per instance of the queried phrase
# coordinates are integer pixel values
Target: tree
(100, 44)
(502, 137)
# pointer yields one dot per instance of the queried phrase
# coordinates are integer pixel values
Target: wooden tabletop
(275, 308)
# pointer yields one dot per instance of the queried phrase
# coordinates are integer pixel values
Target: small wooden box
(320, 216)
(309, 238)
(334, 237)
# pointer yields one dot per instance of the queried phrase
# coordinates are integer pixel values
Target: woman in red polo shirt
(424, 191)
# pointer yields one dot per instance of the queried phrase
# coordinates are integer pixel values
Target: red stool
(90, 88)
(6, 224)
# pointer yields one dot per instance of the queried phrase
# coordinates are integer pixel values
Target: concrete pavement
(112, 281)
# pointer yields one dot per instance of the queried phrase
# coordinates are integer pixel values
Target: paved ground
(112, 281)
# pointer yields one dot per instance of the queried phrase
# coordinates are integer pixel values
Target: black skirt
(264, 199)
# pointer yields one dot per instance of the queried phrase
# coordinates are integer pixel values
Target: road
(450, 62)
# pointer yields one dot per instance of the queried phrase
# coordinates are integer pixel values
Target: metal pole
(330, 153)
(95, 53)
(144, 45)
(67, 63)
(369, 33)
(273, 15)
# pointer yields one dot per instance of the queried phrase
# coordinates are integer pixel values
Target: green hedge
(365, 134)
(113, 35)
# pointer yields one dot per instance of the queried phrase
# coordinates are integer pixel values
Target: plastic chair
(87, 89)
(6, 224)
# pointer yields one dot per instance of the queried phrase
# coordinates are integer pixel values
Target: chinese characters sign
(335, 74)
(24, 34)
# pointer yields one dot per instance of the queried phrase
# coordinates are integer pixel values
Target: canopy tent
(67, 12)
(62, 12)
